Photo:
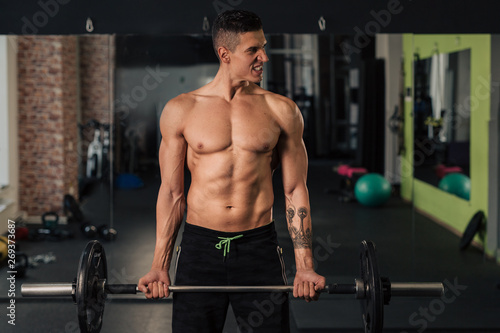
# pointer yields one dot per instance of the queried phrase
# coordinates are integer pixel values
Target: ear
(223, 54)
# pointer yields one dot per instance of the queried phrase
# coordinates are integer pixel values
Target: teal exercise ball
(372, 190)
(456, 183)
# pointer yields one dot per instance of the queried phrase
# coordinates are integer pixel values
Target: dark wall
(152, 50)
(293, 16)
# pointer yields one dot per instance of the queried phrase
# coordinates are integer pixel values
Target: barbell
(90, 289)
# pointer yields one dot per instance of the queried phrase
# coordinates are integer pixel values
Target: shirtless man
(232, 134)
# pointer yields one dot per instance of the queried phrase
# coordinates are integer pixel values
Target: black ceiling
(292, 16)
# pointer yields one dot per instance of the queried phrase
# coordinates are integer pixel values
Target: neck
(226, 86)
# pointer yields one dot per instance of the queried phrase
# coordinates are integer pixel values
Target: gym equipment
(90, 289)
(457, 184)
(89, 230)
(50, 229)
(397, 120)
(21, 233)
(475, 225)
(21, 265)
(4, 241)
(442, 170)
(349, 176)
(72, 209)
(4, 248)
(372, 190)
(50, 223)
(94, 155)
(127, 181)
(98, 152)
(348, 171)
(106, 145)
(20, 259)
(55, 235)
(104, 231)
(108, 233)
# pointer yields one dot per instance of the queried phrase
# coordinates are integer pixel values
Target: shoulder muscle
(171, 120)
(287, 113)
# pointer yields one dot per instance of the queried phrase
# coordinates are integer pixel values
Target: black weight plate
(90, 296)
(473, 227)
(373, 305)
(21, 264)
(70, 204)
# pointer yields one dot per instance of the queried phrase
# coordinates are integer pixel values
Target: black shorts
(213, 258)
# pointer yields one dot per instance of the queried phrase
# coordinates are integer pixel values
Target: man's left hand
(307, 285)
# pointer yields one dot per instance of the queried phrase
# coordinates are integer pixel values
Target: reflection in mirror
(151, 70)
(293, 62)
(322, 78)
(441, 116)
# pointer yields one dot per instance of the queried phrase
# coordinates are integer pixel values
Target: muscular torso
(230, 149)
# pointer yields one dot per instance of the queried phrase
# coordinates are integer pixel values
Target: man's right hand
(155, 284)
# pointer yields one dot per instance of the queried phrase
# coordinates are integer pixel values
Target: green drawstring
(226, 241)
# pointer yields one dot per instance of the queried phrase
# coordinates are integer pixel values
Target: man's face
(248, 58)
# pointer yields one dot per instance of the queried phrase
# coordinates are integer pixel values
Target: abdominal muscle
(228, 193)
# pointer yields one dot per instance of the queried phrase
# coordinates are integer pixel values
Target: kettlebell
(50, 223)
(89, 230)
(107, 233)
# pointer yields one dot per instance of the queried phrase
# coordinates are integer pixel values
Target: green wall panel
(453, 211)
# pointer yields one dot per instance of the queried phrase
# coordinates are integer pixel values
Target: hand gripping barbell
(90, 289)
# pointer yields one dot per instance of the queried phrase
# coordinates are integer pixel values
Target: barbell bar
(398, 289)
(90, 289)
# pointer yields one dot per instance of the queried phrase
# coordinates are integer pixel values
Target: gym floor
(410, 247)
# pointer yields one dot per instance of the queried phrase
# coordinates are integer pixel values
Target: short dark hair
(229, 24)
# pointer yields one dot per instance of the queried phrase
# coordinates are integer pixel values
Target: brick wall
(70, 109)
(47, 81)
(96, 60)
(96, 82)
(62, 80)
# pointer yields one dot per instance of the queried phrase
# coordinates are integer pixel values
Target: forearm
(298, 215)
(170, 213)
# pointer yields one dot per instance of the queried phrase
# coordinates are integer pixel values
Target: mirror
(441, 115)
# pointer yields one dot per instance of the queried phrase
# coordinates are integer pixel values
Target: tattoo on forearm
(290, 213)
(301, 237)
